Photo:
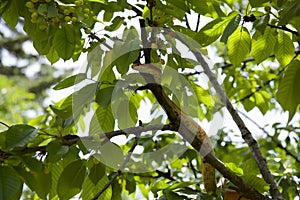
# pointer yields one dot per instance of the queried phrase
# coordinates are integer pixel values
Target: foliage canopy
(256, 47)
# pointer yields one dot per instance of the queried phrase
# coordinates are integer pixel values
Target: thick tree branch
(190, 130)
(246, 134)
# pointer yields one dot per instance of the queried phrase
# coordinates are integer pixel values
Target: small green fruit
(78, 2)
(85, 16)
(74, 19)
(34, 15)
(67, 18)
(29, 4)
(86, 10)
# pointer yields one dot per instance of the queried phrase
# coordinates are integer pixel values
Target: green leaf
(52, 10)
(284, 49)
(107, 16)
(263, 45)
(172, 195)
(179, 4)
(65, 39)
(89, 190)
(42, 9)
(125, 113)
(52, 56)
(71, 180)
(288, 91)
(130, 183)
(258, 183)
(261, 102)
(111, 155)
(55, 151)
(203, 95)
(83, 97)
(10, 184)
(42, 46)
(261, 23)
(257, 3)
(102, 121)
(56, 170)
(200, 6)
(235, 169)
(19, 135)
(239, 45)
(70, 81)
(37, 181)
(10, 14)
(63, 112)
(97, 172)
(103, 97)
(230, 28)
(94, 60)
(289, 12)
(116, 23)
(159, 185)
(212, 31)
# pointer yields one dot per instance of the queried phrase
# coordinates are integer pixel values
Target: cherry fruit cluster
(52, 12)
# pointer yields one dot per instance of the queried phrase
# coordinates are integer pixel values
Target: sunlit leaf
(235, 169)
(239, 45)
(70, 81)
(284, 49)
(257, 3)
(263, 45)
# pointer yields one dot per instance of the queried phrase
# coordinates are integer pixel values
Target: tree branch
(245, 132)
(187, 21)
(69, 140)
(288, 152)
(284, 28)
(198, 23)
(190, 131)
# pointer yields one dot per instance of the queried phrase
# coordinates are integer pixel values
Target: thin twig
(284, 28)
(259, 87)
(187, 22)
(198, 23)
(120, 169)
(272, 138)
(245, 132)
(4, 124)
(136, 10)
(72, 139)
